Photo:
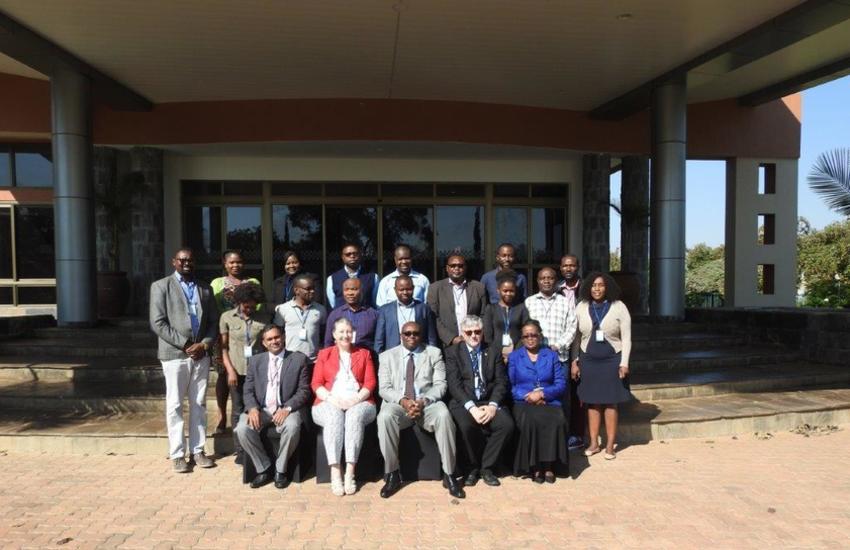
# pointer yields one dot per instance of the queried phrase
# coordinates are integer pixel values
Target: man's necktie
(409, 391)
(476, 372)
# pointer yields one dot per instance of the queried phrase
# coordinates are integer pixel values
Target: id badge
(302, 334)
(506, 340)
(353, 336)
(600, 336)
(247, 351)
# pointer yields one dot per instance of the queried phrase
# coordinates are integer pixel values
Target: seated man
(277, 389)
(412, 382)
(478, 385)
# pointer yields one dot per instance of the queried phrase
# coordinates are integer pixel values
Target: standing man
(412, 382)
(393, 316)
(277, 389)
(352, 268)
(568, 287)
(505, 257)
(184, 317)
(302, 319)
(363, 319)
(403, 266)
(453, 298)
(478, 385)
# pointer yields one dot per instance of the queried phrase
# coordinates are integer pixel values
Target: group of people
(479, 363)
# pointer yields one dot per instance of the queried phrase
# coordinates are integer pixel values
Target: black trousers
(482, 444)
(237, 407)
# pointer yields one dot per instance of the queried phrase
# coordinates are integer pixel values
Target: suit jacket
(429, 374)
(327, 367)
(442, 303)
(169, 317)
(386, 331)
(294, 381)
(461, 381)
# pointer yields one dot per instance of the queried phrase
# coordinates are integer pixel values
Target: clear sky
(826, 125)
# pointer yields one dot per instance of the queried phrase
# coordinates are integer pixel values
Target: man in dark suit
(392, 316)
(184, 317)
(453, 298)
(478, 386)
(277, 389)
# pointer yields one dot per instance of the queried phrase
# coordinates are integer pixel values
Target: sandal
(609, 456)
(350, 485)
(591, 452)
(337, 488)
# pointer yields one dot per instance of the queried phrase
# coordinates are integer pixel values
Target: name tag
(247, 351)
(353, 336)
(302, 334)
(600, 337)
(506, 340)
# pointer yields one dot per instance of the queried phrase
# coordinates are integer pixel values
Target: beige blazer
(616, 328)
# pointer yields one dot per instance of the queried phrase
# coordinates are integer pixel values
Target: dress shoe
(240, 458)
(180, 465)
(453, 486)
(202, 461)
(393, 484)
(490, 478)
(280, 480)
(537, 477)
(261, 479)
(471, 479)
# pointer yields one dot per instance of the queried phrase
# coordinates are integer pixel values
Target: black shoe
(261, 479)
(490, 478)
(391, 485)
(537, 477)
(240, 458)
(471, 479)
(453, 486)
(280, 480)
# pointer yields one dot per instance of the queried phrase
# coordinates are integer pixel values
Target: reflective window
(351, 189)
(548, 228)
(6, 243)
(351, 224)
(33, 166)
(297, 228)
(34, 242)
(296, 188)
(407, 190)
(232, 188)
(460, 230)
(37, 295)
(411, 226)
(510, 190)
(5, 295)
(197, 188)
(460, 190)
(511, 226)
(5, 167)
(202, 232)
(244, 234)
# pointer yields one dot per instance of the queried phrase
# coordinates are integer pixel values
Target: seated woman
(344, 381)
(602, 346)
(503, 320)
(538, 383)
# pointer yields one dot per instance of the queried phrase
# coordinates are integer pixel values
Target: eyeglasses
(476, 332)
(410, 333)
(531, 336)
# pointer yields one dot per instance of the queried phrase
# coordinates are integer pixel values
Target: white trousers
(343, 429)
(186, 378)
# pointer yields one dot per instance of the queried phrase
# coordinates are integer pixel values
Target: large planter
(629, 283)
(113, 293)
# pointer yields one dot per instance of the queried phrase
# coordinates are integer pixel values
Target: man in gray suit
(277, 389)
(453, 298)
(412, 382)
(183, 315)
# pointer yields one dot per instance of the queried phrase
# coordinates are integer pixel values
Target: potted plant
(114, 200)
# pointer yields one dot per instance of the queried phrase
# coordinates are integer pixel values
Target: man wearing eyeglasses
(453, 298)
(184, 317)
(352, 268)
(412, 381)
(302, 319)
(478, 385)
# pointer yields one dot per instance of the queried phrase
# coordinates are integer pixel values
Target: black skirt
(600, 381)
(542, 434)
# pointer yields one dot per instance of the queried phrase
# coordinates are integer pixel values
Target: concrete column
(146, 228)
(73, 199)
(667, 200)
(596, 196)
(634, 223)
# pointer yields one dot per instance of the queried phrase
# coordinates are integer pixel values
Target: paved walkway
(786, 492)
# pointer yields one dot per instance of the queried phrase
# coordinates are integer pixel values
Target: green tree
(824, 265)
(704, 273)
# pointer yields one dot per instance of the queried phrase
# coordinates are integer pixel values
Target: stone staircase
(101, 390)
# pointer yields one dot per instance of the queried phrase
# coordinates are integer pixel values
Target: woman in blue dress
(538, 383)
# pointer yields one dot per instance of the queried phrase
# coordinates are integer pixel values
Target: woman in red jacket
(344, 381)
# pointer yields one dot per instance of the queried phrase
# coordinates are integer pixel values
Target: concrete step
(688, 341)
(733, 414)
(645, 361)
(679, 385)
(58, 348)
(15, 369)
(95, 334)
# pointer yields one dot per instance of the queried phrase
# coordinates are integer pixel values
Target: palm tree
(830, 178)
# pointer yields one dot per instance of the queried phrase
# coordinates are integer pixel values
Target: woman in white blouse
(601, 351)
(344, 381)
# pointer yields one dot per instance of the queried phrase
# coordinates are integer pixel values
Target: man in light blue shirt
(404, 266)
